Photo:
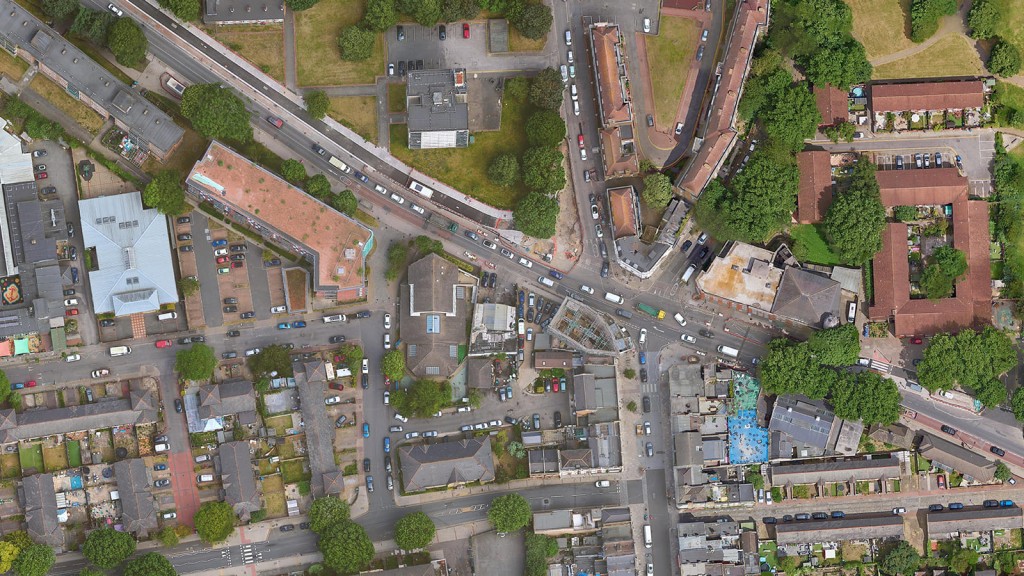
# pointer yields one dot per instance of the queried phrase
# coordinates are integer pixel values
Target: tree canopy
(792, 117)
(293, 171)
(196, 363)
(538, 549)
(982, 19)
(317, 103)
(92, 24)
(345, 202)
(127, 42)
(1004, 59)
(8, 554)
(504, 169)
(545, 128)
(657, 190)
(35, 560)
(547, 90)
(925, 16)
(106, 548)
(414, 531)
(216, 112)
(533, 21)
(900, 559)
(326, 512)
(866, 396)
(165, 193)
(817, 34)
(150, 564)
(542, 169)
(452, 10)
(838, 346)
(856, 219)
(300, 5)
(971, 360)
(1002, 472)
(422, 399)
(1017, 404)
(945, 265)
(214, 522)
(380, 15)
(185, 10)
(59, 9)
(789, 368)
(356, 43)
(19, 538)
(393, 365)
(319, 187)
(509, 513)
(536, 215)
(347, 548)
(273, 358)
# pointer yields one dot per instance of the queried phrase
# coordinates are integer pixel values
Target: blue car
(1006, 503)
(17, 386)
(284, 326)
(643, 358)
(159, 467)
(387, 445)
(219, 243)
(366, 430)
(299, 324)
(522, 297)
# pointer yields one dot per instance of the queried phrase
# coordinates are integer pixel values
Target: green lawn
(1010, 24)
(292, 471)
(465, 169)
(881, 25)
(31, 457)
(12, 66)
(954, 55)
(1008, 97)
(74, 453)
(809, 245)
(672, 49)
(358, 113)
(316, 38)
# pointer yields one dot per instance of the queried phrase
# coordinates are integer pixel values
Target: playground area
(748, 442)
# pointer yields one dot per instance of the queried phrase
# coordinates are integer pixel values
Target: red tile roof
(336, 240)
(921, 187)
(616, 163)
(623, 207)
(833, 104)
(939, 95)
(720, 134)
(815, 186)
(606, 44)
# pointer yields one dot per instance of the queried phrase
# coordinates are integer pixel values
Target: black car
(411, 65)
(185, 340)
(400, 31)
(319, 150)
(703, 253)
(936, 508)
(231, 300)
(529, 315)
(997, 451)
(604, 269)
(237, 257)
(247, 315)
(494, 280)
(706, 333)
(558, 419)
(650, 120)
(363, 314)
(229, 355)
(839, 514)
(184, 237)
(304, 526)
(442, 33)
(511, 421)
(948, 430)
(184, 220)
(472, 236)
(366, 465)
(185, 248)
(71, 230)
(643, 375)
(234, 334)
(802, 516)
(647, 404)
(769, 520)
(387, 463)
(49, 190)
(686, 246)
(337, 339)
(401, 67)
(69, 292)
(991, 504)
(362, 177)
(819, 516)
(287, 528)
(787, 518)
(106, 323)
(956, 506)
(238, 247)
(366, 381)
(272, 262)
(419, 64)
(177, 405)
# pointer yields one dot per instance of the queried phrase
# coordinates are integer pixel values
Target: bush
(1004, 59)
(925, 16)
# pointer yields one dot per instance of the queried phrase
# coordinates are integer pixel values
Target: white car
(570, 59)
(366, 366)
(332, 400)
(568, 38)
(411, 435)
(387, 321)
(525, 262)
(650, 569)
(380, 189)
(643, 335)
(73, 358)
(220, 252)
(679, 318)
(572, 71)
(583, 153)
(576, 107)
(587, 289)
(464, 409)
(600, 233)
(572, 92)
(387, 398)
(252, 351)
(417, 209)
(689, 339)
(401, 418)
(71, 302)
(387, 341)
(100, 372)
(278, 310)
(602, 483)
(594, 213)
(480, 426)
(115, 10)
(647, 25)
(494, 423)
(398, 198)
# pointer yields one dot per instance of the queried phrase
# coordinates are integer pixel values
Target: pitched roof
(849, 528)
(436, 304)
(432, 285)
(838, 471)
(946, 454)
(833, 104)
(334, 482)
(806, 296)
(40, 422)
(237, 479)
(941, 525)
(427, 466)
(609, 55)
(800, 424)
(815, 186)
(552, 359)
(226, 398)
(623, 205)
(934, 95)
(39, 500)
(936, 186)
(133, 253)
(138, 510)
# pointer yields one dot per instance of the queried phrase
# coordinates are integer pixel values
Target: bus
(339, 165)
(420, 189)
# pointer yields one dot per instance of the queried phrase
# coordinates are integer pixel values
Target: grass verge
(809, 245)
(356, 112)
(465, 169)
(519, 43)
(12, 66)
(881, 25)
(316, 39)
(262, 46)
(953, 55)
(79, 112)
(672, 49)
(396, 97)
(1010, 24)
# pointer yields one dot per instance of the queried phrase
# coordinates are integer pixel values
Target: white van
(689, 273)
(120, 350)
(167, 316)
(546, 281)
(612, 297)
(729, 351)
(204, 478)
(851, 312)
(647, 536)
(335, 318)
(164, 447)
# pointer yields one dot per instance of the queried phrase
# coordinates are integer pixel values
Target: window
(411, 350)
(432, 371)
(453, 351)
(433, 324)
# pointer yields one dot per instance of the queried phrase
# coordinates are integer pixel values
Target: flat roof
(243, 10)
(745, 275)
(335, 242)
(436, 102)
(84, 75)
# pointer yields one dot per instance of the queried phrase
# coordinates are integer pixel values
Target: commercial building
(24, 35)
(225, 12)
(803, 428)
(436, 305)
(134, 271)
(286, 216)
(438, 113)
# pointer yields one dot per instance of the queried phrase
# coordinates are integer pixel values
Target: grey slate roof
(37, 423)
(446, 464)
(801, 424)
(849, 528)
(840, 471)
(334, 482)
(226, 398)
(435, 103)
(40, 503)
(138, 510)
(806, 296)
(941, 525)
(950, 456)
(435, 311)
(84, 75)
(243, 11)
(237, 478)
(133, 253)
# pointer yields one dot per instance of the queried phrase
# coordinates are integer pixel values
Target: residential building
(559, 522)
(846, 472)
(717, 132)
(134, 271)
(214, 402)
(138, 509)
(39, 500)
(438, 113)
(927, 96)
(255, 198)
(951, 457)
(225, 12)
(238, 483)
(972, 520)
(833, 105)
(635, 254)
(896, 435)
(714, 547)
(860, 528)
(24, 35)
(911, 314)
(815, 193)
(614, 101)
(446, 464)
(803, 428)
(436, 304)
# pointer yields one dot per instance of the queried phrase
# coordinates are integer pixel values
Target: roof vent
(232, 9)
(158, 121)
(107, 83)
(248, 8)
(75, 60)
(24, 23)
(63, 51)
(145, 112)
(266, 8)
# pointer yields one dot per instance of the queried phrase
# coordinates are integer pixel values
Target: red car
(71, 312)
(238, 264)
(582, 145)
(916, 340)
(387, 383)
(30, 384)
(275, 121)
(222, 260)
(163, 343)
(941, 479)
(465, 30)
(41, 176)
(554, 384)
